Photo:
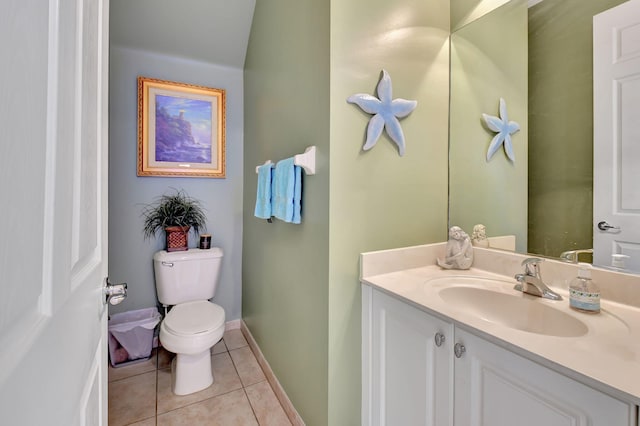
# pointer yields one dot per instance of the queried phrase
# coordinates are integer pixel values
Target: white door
(495, 387)
(53, 192)
(616, 152)
(411, 366)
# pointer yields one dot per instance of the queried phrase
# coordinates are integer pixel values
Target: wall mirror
(537, 55)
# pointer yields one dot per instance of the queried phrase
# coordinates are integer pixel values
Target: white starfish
(387, 112)
(504, 128)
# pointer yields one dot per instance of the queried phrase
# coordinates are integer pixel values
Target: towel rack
(306, 160)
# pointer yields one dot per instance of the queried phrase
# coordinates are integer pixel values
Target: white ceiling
(213, 31)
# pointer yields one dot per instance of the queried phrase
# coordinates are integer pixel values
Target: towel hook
(306, 160)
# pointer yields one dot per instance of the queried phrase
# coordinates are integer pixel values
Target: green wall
(561, 124)
(286, 267)
(380, 200)
(489, 62)
(301, 293)
(464, 12)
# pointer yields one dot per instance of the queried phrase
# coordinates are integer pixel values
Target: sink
(495, 301)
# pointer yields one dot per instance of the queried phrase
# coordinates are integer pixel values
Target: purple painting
(183, 130)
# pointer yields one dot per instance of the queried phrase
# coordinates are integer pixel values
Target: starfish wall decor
(386, 113)
(504, 129)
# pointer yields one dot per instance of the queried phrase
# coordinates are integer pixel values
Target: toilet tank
(185, 276)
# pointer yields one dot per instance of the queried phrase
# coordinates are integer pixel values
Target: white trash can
(131, 335)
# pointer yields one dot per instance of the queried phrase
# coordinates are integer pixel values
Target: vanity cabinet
(420, 369)
(408, 371)
(496, 387)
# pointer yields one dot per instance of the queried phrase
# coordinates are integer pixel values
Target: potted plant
(175, 214)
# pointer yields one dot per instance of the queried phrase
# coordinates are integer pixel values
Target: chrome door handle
(459, 350)
(604, 226)
(439, 338)
(114, 293)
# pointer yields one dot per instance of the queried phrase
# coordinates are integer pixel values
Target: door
(53, 187)
(616, 152)
(411, 366)
(496, 387)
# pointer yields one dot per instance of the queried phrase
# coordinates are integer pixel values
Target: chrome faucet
(531, 282)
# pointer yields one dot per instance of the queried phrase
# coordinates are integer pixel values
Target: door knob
(459, 350)
(439, 338)
(604, 226)
(114, 293)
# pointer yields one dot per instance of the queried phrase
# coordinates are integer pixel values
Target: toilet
(185, 281)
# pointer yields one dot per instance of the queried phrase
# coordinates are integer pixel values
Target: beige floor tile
(219, 347)
(225, 410)
(266, 406)
(234, 339)
(118, 373)
(132, 399)
(147, 422)
(247, 366)
(225, 380)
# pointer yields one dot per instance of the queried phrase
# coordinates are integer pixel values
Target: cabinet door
(411, 377)
(495, 387)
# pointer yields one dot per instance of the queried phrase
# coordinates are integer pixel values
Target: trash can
(131, 335)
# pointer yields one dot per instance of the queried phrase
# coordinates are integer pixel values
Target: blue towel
(263, 194)
(286, 191)
(297, 195)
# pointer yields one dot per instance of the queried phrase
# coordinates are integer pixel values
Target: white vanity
(463, 348)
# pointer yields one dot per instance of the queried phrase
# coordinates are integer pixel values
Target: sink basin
(494, 302)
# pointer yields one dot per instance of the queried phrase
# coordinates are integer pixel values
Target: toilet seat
(193, 318)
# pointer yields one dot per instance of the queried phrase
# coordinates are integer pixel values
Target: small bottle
(584, 294)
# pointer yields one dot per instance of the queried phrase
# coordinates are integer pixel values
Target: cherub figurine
(459, 253)
(479, 236)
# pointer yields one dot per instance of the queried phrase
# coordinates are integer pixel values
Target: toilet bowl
(190, 330)
(186, 281)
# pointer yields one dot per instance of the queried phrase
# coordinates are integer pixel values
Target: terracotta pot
(177, 238)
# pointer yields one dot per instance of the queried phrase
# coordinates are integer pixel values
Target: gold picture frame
(181, 129)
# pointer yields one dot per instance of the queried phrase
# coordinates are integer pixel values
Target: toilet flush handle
(169, 264)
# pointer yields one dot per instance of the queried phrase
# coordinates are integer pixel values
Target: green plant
(178, 209)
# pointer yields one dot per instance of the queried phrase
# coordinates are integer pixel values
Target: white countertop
(606, 357)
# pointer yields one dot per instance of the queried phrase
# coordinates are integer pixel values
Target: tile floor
(140, 394)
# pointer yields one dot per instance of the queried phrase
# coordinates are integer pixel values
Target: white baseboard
(288, 407)
(232, 325)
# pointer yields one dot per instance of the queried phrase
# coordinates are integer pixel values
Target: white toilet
(187, 280)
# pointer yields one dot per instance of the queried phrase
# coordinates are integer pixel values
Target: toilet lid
(194, 318)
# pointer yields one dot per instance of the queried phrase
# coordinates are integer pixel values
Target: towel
(297, 195)
(286, 190)
(263, 194)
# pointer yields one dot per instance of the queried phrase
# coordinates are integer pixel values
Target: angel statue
(479, 236)
(459, 251)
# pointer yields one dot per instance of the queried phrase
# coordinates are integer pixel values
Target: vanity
(451, 347)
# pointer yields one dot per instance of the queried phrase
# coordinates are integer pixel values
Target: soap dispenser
(584, 294)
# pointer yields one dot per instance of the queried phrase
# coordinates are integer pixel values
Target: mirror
(537, 55)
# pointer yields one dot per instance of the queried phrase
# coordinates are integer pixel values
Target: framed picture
(181, 129)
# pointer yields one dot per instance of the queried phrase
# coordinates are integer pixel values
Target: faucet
(531, 282)
(573, 255)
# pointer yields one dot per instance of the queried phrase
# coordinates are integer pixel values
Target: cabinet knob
(439, 338)
(459, 349)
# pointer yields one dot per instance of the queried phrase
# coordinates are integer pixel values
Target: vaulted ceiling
(213, 31)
